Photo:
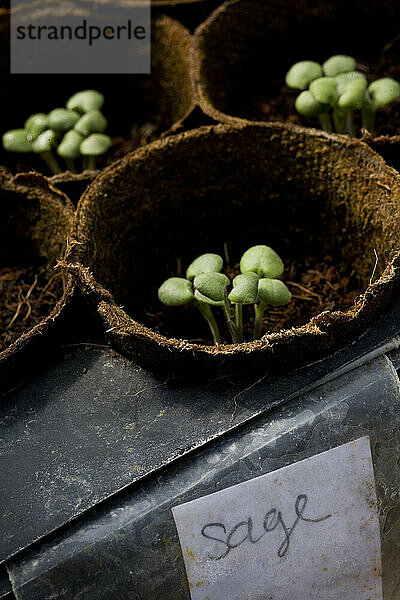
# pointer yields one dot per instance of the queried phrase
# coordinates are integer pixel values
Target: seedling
(16, 140)
(86, 100)
(336, 90)
(206, 287)
(94, 145)
(73, 132)
(43, 145)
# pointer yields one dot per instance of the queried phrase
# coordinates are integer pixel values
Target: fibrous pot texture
(243, 51)
(35, 223)
(163, 98)
(302, 192)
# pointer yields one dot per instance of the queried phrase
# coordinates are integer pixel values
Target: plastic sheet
(129, 548)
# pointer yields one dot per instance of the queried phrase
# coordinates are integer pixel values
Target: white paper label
(304, 532)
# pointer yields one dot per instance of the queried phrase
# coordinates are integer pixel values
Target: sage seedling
(338, 91)
(16, 140)
(43, 145)
(92, 146)
(271, 292)
(91, 122)
(244, 291)
(205, 286)
(64, 130)
(206, 263)
(301, 74)
(262, 260)
(35, 125)
(86, 100)
(177, 291)
(340, 63)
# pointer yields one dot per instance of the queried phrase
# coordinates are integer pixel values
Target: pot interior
(34, 226)
(306, 195)
(242, 62)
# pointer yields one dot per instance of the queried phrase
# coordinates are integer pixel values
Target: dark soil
(315, 287)
(27, 295)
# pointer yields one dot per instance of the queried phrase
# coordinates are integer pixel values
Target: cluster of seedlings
(335, 90)
(205, 286)
(74, 132)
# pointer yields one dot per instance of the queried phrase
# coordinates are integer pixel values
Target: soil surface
(27, 295)
(315, 287)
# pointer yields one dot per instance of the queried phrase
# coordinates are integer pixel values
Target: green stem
(91, 163)
(368, 114)
(259, 310)
(51, 162)
(209, 317)
(70, 165)
(239, 322)
(325, 122)
(231, 324)
(351, 130)
(339, 119)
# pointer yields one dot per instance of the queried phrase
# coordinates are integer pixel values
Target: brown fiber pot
(243, 51)
(300, 191)
(35, 223)
(164, 97)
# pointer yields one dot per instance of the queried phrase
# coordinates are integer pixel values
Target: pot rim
(23, 180)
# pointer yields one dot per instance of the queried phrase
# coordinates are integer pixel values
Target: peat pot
(241, 56)
(327, 204)
(35, 223)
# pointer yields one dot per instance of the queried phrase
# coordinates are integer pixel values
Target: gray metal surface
(128, 549)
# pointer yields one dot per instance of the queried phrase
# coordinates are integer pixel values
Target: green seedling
(35, 125)
(61, 119)
(206, 263)
(324, 90)
(210, 288)
(91, 122)
(338, 92)
(75, 131)
(94, 145)
(308, 106)
(344, 79)
(262, 260)
(302, 74)
(244, 291)
(177, 291)
(271, 292)
(43, 145)
(382, 93)
(69, 148)
(206, 287)
(340, 63)
(85, 101)
(16, 140)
